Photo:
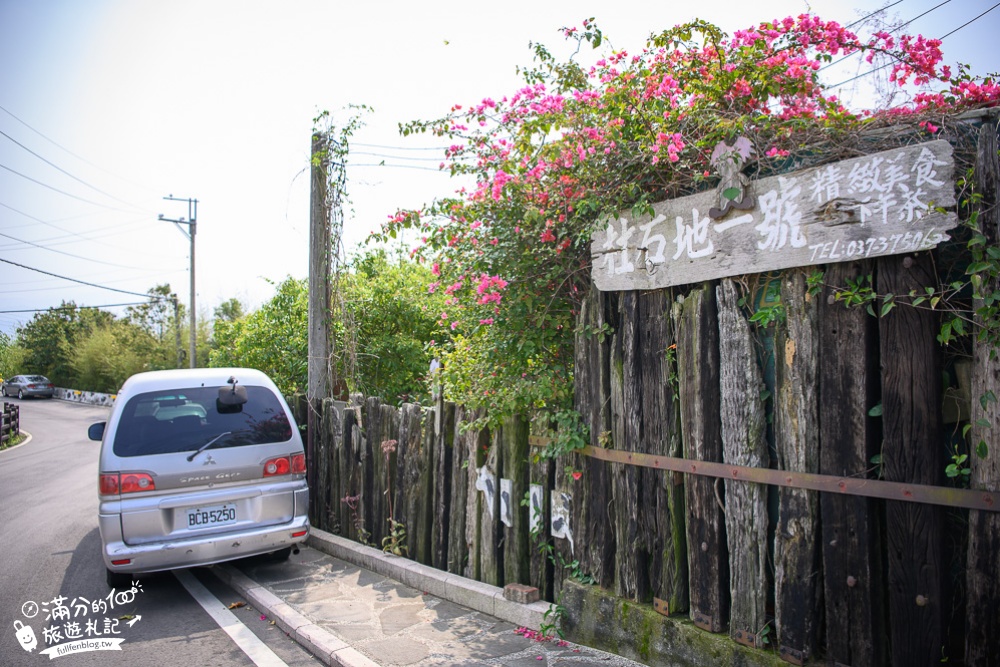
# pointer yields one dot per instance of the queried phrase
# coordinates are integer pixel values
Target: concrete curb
(20, 444)
(452, 587)
(320, 642)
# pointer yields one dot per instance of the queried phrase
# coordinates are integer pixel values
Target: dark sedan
(24, 386)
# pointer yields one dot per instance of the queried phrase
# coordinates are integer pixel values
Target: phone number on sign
(875, 245)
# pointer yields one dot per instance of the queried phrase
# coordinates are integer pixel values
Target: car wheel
(280, 556)
(119, 580)
(20, 394)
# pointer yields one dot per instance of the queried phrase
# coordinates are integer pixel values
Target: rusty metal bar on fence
(850, 486)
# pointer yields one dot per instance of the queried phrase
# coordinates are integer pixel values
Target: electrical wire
(62, 192)
(872, 71)
(897, 29)
(72, 280)
(68, 254)
(63, 148)
(76, 307)
(75, 178)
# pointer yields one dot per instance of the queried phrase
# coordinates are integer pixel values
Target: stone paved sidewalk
(348, 615)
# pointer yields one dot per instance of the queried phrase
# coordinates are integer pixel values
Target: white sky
(214, 100)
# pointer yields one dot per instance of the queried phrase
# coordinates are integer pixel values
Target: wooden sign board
(879, 204)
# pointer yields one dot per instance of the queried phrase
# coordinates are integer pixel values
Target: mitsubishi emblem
(209, 461)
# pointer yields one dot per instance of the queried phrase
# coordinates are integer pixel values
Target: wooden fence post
(446, 460)
(744, 443)
(631, 553)
(797, 557)
(515, 468)
(849, 438)
(491, 530)
(912, 452)
(661, 507)
(698, 378)
(590, 521)
(982, 645)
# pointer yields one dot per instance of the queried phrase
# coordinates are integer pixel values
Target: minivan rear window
(182, 420)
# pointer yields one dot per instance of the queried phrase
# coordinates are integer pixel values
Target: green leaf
(875, 411)
(983, 423)
(982, 451)
(731, 193)
(988, 397)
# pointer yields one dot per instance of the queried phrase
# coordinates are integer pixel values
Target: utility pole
(192, 224)
(320, 268)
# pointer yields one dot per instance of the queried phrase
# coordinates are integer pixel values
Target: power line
(63, 148)
(69, 254)
(55, 189)
(402, 148)
(897, 29)
(865, 18)
(75, 178)
(72, 280)
(397, 166)
(107, 305)
(872, 71)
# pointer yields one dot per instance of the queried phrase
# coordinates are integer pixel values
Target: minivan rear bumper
(204, 550)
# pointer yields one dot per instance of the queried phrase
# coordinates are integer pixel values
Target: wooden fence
(784, 484)
(10, 423)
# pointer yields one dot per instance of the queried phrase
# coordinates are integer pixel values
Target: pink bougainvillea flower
(577, 475)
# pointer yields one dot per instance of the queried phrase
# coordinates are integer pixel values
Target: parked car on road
(198, 466)
(25, 386)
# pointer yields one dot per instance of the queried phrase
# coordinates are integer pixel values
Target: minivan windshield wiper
(208, 444)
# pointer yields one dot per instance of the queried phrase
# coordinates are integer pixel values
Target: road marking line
(248, 642)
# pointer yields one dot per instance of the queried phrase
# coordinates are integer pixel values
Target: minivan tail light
(298, 463)
(129, 482)
(109, 484)
(132, 482)
(278, 466)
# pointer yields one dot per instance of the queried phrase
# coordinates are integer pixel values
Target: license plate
(215, 515)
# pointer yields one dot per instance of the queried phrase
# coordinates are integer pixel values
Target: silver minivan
(198, 466)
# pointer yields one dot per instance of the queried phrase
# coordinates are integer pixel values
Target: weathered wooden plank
(698, 378)
(744, 442)
(542, 480)
(661, 517)
(352, 477)
(849, 438)
(590, 523)
(475, 443)
(458, 547)
(320, 477)
(912, 451)
(871, 206)
(516, 543)
(490, 533)
(796, 552)
(442, 429)
(410, 483)
(631, 553)
(982, 644)
(334, 435)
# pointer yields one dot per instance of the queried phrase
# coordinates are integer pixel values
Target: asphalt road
(50, 556)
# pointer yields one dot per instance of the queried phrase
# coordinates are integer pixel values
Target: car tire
(280, 556)
(119, 580)
(20, 394)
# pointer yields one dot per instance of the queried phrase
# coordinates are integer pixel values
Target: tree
(160, 317)
(49, 338)
(229, 310)
(108, 354)
(11, 356)
(273, 339)
(389, 323)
